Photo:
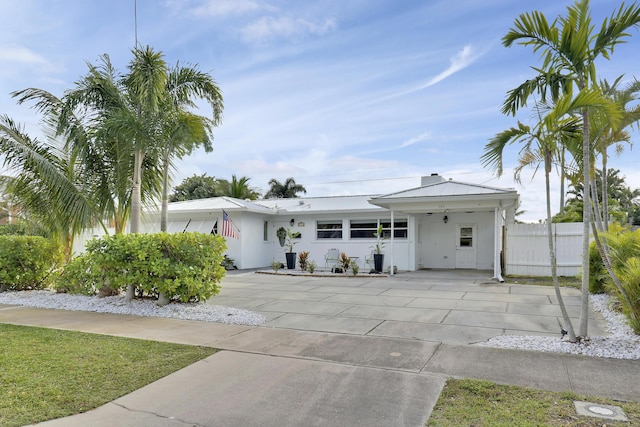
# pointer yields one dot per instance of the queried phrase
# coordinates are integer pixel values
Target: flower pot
(291, 260)
(378, 261)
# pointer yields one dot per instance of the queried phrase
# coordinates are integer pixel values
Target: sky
(347, 97)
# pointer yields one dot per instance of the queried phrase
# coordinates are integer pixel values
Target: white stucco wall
(317, 248)
(436, 246)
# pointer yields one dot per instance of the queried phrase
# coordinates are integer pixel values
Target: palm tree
(569, 50)
(111, 141)
(606, 136)
(143, 114)
(287, 190)
(184, 131)
(238, 188)
(541, 145)
(48, 182)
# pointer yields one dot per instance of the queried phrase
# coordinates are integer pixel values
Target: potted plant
(282, 235)
(378, 256)
(289, 243)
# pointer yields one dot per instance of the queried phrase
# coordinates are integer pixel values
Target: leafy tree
(195, 187)
(569, 49)
(284, 190)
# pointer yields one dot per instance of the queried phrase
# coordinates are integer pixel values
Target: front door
(466, 247)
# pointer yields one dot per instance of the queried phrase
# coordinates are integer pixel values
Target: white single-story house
(442, 224)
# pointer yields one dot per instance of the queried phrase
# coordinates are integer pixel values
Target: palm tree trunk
(136, 203)
(552, 251)
(586, 224)
(562, 176)
(605, 191)
(164, 210)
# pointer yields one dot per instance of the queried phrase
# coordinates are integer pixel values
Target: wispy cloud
(416, 139)
(267, 28)
(461, 60)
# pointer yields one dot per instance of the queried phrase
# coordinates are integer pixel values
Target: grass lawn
(483, 403)
(48, 373)
(566, 281)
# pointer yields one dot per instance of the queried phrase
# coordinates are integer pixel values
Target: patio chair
(331, 258)
(368, 260)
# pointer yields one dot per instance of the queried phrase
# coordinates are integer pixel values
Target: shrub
(303, 258)
(354, 268)
(629, 276)
(76, 277)
(276, 265)
(344, 261)
(312, 266)
(26, 262)
(184, 266)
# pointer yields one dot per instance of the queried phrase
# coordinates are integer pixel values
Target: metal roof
(448, 189)
(419, 198)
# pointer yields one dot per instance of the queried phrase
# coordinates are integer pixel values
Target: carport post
(392, 233)
(497, 274)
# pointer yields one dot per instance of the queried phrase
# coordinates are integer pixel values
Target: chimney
(429, 180)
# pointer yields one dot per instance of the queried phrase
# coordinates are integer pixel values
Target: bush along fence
(185, 266)
(26, 262)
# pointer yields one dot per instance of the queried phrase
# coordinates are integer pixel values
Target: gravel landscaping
(144, 307)
(621, 343)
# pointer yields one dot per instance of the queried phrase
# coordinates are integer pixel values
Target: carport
(453, 225)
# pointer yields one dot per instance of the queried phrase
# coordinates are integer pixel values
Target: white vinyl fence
(527, 249)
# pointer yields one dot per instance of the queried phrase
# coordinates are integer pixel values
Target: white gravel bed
(117, 305)
(620, 343)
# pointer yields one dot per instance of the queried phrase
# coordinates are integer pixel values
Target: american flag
(227, 226)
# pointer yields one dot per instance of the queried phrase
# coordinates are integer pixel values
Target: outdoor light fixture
(445, 219)
(293, 221)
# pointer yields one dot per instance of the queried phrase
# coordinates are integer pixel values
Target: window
(265, 231)
(329, 229)
(363, 229)
(366, 229)
(466, 237)
(400, 229)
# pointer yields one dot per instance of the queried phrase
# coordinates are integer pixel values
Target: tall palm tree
(606, 136)
(141, 118)
(569, 49)
(542, 144)
(284, 190)
(182, 130)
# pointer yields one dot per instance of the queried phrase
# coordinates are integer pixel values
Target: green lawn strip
(483, 403)
(566, 281)
(48, 373)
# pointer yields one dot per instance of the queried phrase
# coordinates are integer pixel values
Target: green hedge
(26, 262)
(184, 266)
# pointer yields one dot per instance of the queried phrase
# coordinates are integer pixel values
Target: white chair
(331, 258)
(368, 260)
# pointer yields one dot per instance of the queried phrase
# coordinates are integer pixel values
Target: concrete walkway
(314, 373)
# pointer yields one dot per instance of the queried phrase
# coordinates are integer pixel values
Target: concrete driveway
(450, 306)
